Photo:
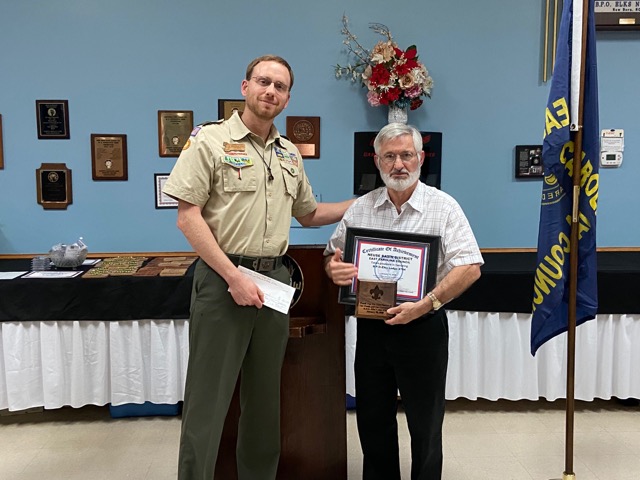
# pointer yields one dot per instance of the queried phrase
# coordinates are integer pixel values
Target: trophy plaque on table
(374, 298)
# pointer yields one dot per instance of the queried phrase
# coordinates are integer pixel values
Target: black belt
(257, 264)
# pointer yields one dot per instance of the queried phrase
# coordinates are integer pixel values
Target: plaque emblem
(303, 130)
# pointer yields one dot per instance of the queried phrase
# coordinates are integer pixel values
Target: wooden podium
(313, 418)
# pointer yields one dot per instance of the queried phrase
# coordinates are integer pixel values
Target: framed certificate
(226, 107)
(162, 200)
(409, 259)
(174, 128)
(109, 157)
(52, 119)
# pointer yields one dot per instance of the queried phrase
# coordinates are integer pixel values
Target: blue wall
(119, 62)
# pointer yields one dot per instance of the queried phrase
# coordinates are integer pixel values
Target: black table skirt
(506, 284)
(112, 298)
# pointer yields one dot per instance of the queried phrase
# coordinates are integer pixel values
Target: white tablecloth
(489, 357)
(77, 363)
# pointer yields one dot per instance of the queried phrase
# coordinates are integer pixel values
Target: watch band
(434, 301)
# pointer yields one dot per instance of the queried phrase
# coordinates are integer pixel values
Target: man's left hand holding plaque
(374, 298)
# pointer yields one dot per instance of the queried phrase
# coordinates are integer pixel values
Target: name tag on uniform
(233, 147)
(237, 161)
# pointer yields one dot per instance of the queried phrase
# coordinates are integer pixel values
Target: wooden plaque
(304, 132)
(52, 119)
(174, 128)
(374, 298)
(108, 157)
(53, 183)
(226, 107)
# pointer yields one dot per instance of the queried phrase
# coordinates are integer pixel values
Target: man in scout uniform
(238, 182)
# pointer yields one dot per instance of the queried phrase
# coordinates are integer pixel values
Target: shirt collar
(239, 130)
(415, 201)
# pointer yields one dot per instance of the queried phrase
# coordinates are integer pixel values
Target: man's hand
(245, 292)
(341, 273)
(405, 313)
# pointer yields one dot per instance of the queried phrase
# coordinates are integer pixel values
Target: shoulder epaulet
(212, 122)
(198, 127)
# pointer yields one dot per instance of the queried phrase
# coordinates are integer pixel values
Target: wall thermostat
(611, 147)
(609, 159)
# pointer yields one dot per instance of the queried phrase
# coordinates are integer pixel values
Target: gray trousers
(226, 340)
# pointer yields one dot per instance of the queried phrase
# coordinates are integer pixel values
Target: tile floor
(482, 440)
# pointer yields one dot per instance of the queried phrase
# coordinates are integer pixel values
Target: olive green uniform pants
(227, 340)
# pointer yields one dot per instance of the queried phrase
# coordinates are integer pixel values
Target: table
(53, 362)
(125, 339)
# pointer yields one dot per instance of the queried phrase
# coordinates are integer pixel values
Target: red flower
(390, 96)
(415, 103)
(379, 75)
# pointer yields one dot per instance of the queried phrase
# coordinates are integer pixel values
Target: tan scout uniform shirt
(221, 169)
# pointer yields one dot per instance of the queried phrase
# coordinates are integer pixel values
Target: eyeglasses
(264, 82)
(390, 158)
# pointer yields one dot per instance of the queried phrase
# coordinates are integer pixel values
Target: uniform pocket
(290, 174)
(239, 177)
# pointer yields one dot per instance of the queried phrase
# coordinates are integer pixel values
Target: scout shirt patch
(187, 144)
(281, 154)
(237, 161)
(286, 157)
(195, 131)
(233, 147)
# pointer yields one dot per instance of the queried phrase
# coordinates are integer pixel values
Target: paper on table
(277, 295)
(53, 274)
(10, 275)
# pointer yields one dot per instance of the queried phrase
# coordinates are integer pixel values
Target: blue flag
(551, 283)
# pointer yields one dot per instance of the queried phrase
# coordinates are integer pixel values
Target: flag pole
(568, 473)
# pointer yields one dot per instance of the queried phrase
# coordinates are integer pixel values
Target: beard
(397, 184)
(267, 112)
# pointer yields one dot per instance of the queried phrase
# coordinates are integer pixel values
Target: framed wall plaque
(53, 184)
(1, 147)
(366, 176)
(617, 15)
(109, 157)
(304, 132)
(409, 259)
(52, 119)
(162, 200)
(174, 128)
(226, 107)
(529, 161)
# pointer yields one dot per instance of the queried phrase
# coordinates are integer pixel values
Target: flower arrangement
(392, 76)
